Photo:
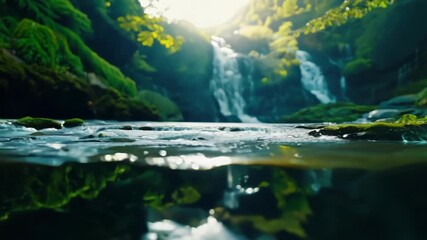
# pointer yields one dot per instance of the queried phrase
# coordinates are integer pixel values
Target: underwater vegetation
(41, 187)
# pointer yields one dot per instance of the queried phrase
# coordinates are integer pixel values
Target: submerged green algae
(28, 187)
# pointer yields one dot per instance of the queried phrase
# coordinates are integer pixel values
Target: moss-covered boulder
(335, 112)
(407, 128)
(38, 123)
(73, 122)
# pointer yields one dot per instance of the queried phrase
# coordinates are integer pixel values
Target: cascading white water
(346, 56)
(227, 82)
(312, 78)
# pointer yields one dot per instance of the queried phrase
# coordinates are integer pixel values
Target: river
(150, 180)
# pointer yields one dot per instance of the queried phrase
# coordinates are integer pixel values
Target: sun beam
(201, 13)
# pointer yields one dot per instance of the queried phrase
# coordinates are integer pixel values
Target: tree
(275, 18)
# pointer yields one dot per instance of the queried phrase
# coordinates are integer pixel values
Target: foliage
(7, 24)
(347, 11)
(36, 90)
(55, 13)
(38, 123)
(148, 30)
(336, 112)
(39, 44)
(279, 17)
(139, 63)
(43, 187)
(119, 8)
(357, 66)
(93, 62)
(168, 110)
(256, 32)
(60, 23)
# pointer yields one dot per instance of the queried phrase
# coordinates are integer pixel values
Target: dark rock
(147, 128)
(126, 128)
(231, 129)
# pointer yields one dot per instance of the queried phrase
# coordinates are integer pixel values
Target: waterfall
(346, 56)
(227, 82)
(312, 78)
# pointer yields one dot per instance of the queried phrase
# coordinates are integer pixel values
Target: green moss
(43, 187)
(38, 123)
(54, 13)
(39, 44)
(52, 36)
(408, 127)
(111, 75)
(73, 122)
(167, 109)
(337, 112)
(185, 195)
(357, 66)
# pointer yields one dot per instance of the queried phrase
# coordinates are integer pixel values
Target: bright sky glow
(201, 13)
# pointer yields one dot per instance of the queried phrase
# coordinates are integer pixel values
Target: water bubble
(163, 153)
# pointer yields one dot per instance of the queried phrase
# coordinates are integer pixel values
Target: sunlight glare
(201, 13)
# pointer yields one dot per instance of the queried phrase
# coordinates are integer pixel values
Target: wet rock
(121, 140)
(127, 127)
(88, 137)
(146, 128)
(73, 122)
(231, 129)
(38, 123)
(311, 126)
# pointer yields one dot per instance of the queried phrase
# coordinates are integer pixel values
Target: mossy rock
(38, 123)
(73, 122)
(407, 128)
(336, 112)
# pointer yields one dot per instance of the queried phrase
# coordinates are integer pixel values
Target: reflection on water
(207, 181)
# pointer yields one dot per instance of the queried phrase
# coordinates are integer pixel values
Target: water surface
(146, 180)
